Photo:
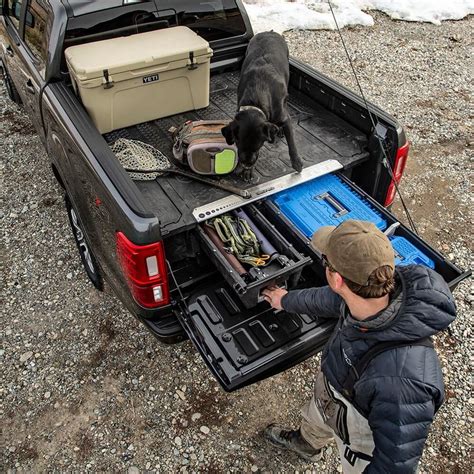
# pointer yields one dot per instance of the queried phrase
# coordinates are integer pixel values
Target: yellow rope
(239, 239)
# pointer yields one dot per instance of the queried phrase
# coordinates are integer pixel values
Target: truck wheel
(11, 89)
(88, 260)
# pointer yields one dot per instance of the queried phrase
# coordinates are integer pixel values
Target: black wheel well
(57, 176)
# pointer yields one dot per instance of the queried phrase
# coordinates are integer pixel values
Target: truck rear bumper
(167, 330)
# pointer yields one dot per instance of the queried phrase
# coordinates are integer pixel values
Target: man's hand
(273, 295)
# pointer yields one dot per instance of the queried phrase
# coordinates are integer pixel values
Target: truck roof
(82, 7)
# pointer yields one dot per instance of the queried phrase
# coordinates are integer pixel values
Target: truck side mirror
(29, 20)
(16, 10)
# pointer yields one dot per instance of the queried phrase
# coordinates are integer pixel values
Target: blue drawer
(324, 201)
(407, 254)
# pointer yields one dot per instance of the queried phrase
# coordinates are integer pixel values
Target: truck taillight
(145, 269)
(398, 169)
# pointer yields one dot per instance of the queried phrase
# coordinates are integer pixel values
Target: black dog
(262, 96)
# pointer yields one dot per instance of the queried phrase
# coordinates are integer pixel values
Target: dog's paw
(297, 164)
(247, 174)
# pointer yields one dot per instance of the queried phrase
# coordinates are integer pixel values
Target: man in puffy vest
(378, 409)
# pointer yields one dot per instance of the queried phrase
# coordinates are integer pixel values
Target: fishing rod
(374, 121)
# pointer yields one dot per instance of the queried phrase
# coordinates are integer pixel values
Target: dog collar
(252, 107)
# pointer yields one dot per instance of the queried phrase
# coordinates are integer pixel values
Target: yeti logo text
(148, 79)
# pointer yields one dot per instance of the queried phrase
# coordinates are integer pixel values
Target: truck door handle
(30, 87)
(9, 51)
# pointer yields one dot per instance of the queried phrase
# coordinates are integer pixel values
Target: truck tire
(88, 260)
(10, 87)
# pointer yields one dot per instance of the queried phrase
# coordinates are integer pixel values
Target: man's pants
(318, 434)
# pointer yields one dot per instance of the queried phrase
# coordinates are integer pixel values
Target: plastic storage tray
(324, 201)
(282, 272)
(407, 254)
(409, 247)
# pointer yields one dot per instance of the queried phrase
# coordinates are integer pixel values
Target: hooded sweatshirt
(401, 389)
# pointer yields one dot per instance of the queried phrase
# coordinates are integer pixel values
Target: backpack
(358, 369)
(201, 146)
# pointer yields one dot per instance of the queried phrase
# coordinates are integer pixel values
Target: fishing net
(143, 162)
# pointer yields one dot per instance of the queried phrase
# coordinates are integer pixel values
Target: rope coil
(239, 239)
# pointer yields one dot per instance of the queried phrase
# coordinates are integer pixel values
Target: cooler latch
(192, 64)
(109, 83)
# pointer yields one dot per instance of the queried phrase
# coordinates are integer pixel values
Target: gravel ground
(85, 387)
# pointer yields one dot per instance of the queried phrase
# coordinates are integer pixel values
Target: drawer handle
(340, 209)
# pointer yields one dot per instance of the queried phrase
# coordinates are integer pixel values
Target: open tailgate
(242, 346)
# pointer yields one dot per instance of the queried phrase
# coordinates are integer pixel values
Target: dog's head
(249, 131)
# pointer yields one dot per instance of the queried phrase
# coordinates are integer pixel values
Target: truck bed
(319, 134)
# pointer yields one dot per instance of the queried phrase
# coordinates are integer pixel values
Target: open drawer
(396, 230)
(242, 346)
(282, 270)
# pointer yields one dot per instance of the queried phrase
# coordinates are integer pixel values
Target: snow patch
(283, 15)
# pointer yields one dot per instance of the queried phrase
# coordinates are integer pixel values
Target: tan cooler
(134, 79)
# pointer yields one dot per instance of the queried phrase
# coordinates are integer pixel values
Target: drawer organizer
(283, 268)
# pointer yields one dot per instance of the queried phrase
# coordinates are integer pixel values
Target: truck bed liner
(319, 134)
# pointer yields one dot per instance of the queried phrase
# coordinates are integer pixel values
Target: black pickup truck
(143, 237)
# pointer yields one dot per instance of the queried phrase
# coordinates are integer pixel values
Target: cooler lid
(129, 53)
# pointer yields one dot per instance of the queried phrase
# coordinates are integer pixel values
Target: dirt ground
(86, 388)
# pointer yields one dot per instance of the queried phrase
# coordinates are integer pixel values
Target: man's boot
(293, 441)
